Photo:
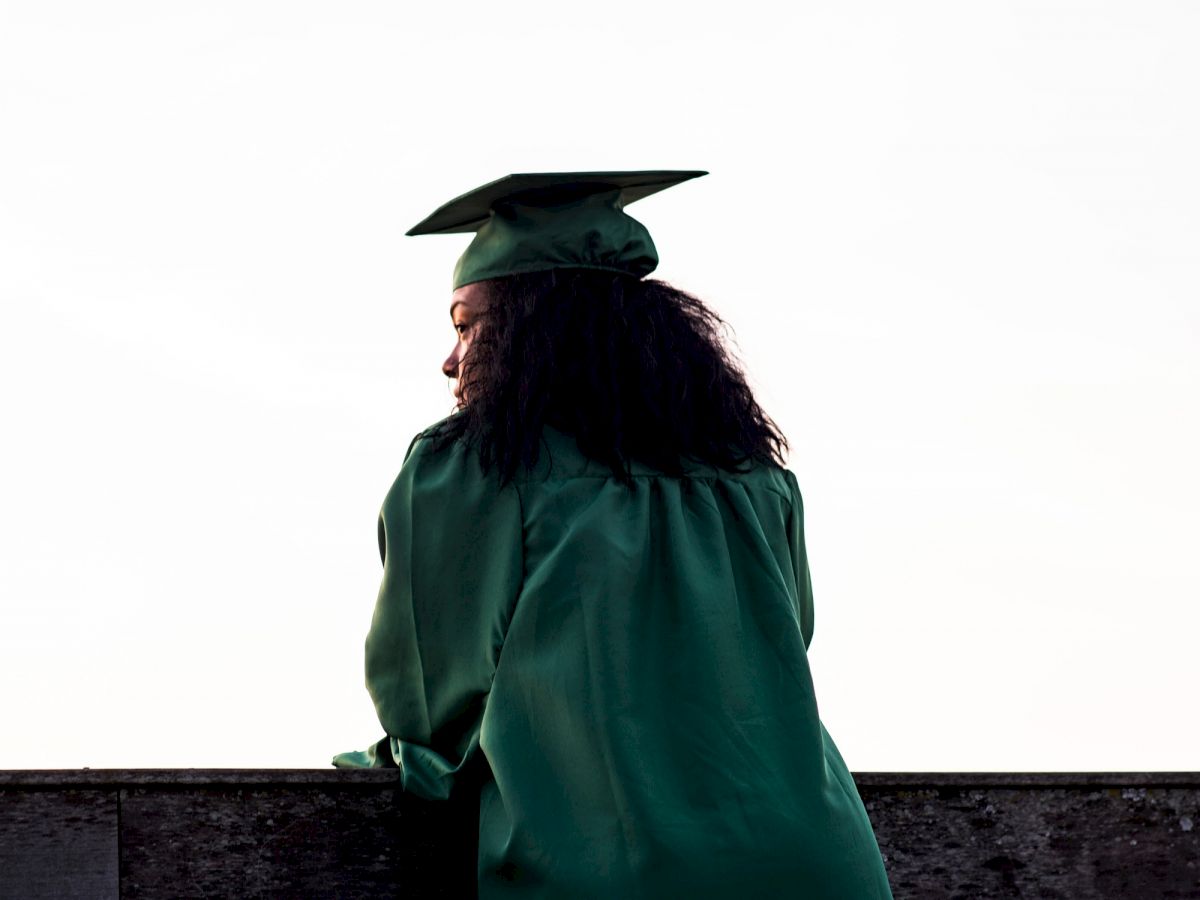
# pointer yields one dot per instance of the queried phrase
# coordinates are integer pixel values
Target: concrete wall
(96, 835)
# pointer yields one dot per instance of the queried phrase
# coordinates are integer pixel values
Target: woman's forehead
(470, 298)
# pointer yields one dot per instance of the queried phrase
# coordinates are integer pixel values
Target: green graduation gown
(631, 665)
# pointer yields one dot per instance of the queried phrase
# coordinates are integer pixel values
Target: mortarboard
(552, 220)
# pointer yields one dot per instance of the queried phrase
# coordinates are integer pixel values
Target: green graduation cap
(552, 220)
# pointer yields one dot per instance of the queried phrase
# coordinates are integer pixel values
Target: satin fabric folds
(627, 669)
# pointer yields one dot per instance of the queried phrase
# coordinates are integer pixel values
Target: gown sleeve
(451, 541)
(800, 561)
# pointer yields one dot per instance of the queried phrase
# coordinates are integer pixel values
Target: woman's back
(635, 678)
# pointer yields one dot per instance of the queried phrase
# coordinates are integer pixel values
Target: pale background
(957, 243)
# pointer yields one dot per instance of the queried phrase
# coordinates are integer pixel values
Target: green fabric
(590, 232)
(630, 663)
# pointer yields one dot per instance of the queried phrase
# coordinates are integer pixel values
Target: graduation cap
(552, 220)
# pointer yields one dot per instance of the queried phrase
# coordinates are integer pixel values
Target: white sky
(957, 243)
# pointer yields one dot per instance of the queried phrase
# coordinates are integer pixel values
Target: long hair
(633, 369)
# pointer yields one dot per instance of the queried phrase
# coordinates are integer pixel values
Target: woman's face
(466, 307)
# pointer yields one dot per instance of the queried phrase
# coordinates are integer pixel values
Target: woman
(596, 602)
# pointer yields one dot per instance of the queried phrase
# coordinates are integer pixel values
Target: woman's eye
(461, 327)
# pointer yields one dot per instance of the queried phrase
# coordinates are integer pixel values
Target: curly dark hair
(633, 369)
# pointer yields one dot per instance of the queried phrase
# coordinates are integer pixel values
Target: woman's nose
(450, 366)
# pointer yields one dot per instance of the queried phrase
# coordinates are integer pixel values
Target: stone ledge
(96, 834)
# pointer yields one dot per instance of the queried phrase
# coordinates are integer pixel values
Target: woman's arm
(800, 561)
(451, 541)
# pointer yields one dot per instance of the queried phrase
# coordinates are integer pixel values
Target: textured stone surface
(58, 844)
(292, 841)
(353, 834)
(1086, 841)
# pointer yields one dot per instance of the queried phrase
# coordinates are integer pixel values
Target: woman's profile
(596, 606)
